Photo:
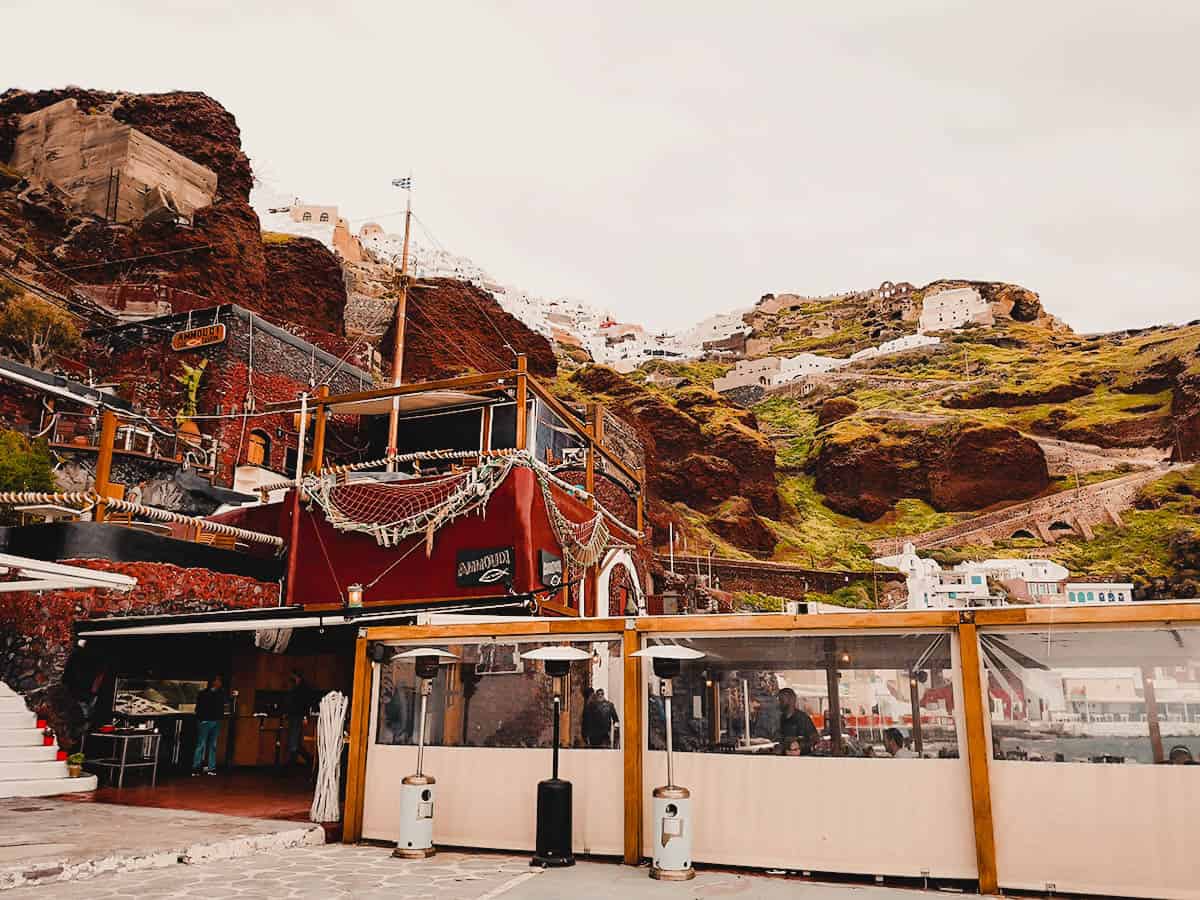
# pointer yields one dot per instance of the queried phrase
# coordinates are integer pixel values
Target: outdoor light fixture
(553, 846)
(672, 804)
(354, 596)
(416, 791)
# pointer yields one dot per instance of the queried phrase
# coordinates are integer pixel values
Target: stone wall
(36, 638)
(791, 582)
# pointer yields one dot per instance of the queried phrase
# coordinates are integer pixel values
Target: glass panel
(1111, 695)
(493, 698)
(850, 695)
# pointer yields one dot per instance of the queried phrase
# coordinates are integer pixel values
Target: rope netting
(391, 512)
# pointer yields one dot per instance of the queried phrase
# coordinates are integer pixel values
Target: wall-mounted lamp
(354, 596)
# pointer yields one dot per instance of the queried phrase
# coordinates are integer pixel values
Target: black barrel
(553, 824)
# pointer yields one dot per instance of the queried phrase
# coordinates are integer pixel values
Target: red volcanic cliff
(863, 471)
(702, 451)
(221, 256)
(454, 327)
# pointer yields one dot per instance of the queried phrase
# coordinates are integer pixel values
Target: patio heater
(672, 803)
(416, 791)
(553, 847)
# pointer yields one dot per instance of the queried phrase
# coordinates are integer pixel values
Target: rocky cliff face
(863, 470)
(454, 327)
(700, 450)
(221, 257)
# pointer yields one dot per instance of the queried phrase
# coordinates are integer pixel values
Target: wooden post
(915, 700)
(485, 429)
(293, 549)
(356, 762)
(102, 485)
(631, 746)
(1156, 741)
(522, 401)
(978, 760)
(641, 500)
(318, 452)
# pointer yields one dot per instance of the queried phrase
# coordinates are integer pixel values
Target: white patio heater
(416, 791)
(553, 845)
(672, 803)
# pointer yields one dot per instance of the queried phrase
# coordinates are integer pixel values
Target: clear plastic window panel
(1102, 695)
(492, 697)
(860, 696)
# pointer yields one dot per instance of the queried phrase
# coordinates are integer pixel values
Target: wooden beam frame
(978, 757)
(584, 431)
(631, 745)
(317, 461)
(966, 623)
(486, 379)
(522, 403)
(360, 729)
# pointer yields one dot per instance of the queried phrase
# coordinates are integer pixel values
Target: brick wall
(36, 638)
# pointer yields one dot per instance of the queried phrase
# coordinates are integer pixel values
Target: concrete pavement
(44, 841)
(370, 873)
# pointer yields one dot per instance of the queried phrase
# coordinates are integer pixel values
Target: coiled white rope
(330, 719)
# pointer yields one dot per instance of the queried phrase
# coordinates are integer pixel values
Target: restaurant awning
(275, 617)
(412, 403)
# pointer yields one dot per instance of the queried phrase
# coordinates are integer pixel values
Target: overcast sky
(670, 160)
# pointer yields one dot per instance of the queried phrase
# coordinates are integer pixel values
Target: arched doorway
(258, 449)
(618, 585)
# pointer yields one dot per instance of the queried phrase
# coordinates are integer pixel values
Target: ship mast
(401, 313)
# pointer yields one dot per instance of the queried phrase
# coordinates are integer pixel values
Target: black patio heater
(553, 845)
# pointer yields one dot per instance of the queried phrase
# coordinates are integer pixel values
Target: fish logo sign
(475, 568)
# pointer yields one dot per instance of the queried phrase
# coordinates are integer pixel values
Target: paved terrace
(49, 842)
(370, 873)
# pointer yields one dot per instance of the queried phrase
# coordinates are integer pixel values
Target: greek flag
(402, 183)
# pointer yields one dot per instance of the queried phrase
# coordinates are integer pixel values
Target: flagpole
(401, 315)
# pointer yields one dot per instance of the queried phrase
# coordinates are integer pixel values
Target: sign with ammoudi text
(480, 568)
(203, 336)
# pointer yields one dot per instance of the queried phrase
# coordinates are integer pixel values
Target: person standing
(210, 710)
(599, 717)
(296, 705)
(795, 723)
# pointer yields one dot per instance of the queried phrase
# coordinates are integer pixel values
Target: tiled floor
(262, 793)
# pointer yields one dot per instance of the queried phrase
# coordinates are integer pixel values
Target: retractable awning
(276, 617)
(412, 403)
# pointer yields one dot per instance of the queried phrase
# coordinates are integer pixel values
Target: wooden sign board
(198, 337)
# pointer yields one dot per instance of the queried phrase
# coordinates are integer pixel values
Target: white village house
(1022, 580)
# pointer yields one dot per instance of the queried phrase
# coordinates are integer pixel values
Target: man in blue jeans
(210, 709)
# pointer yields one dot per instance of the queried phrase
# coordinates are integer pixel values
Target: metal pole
(746, 710)
(667, 693)
(557, 703)
(915, 700)
(421, 728)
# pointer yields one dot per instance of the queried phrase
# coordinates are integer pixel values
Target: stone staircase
(27, 767)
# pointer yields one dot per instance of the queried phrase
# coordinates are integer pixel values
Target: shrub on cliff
(24, 466)
(32, 330)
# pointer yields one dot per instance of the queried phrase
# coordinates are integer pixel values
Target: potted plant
(187, 429)
(75, 765)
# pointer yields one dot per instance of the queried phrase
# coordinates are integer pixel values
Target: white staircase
(27, 767)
